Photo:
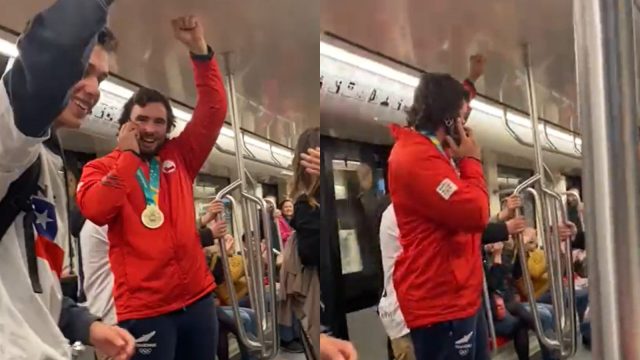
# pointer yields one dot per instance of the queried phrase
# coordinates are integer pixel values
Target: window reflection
(360, 192)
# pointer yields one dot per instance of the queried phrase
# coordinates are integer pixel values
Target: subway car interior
(271, 101)
(521, 56)
(552, 90)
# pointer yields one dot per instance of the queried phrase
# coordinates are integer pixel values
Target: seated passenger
(536, 264)
(506, 324)
(511, 318)
(236, 268)
(228, 325)
(284, 220)
(442, 209)
(289, 340)
(538, 271)
(143, 191)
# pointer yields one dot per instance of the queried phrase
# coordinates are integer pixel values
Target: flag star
(43, 219)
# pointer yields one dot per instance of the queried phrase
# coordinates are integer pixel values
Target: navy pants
(190, 333)
(463, 339)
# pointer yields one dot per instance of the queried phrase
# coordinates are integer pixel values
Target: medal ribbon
(438, 145)
(150, 188)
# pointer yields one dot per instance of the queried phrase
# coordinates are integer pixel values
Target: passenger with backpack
(49, 86)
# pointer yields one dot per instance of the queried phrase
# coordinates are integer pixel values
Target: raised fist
(189, 31)
(477, 64)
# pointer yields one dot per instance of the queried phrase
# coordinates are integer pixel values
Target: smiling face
(85, 94)
(287, 209)
(152, 126)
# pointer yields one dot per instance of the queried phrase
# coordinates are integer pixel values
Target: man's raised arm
(53, 55)
(200, 135)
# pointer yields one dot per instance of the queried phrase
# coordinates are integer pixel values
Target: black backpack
(16, 201)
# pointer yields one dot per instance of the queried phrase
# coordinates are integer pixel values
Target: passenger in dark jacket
(305, 191)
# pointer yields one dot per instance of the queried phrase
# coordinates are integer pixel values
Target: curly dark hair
(145, 96)
(107, 40)
(438, 97)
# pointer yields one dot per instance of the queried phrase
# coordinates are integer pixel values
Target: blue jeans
(463, 339)
(507, 326)
(582, 301)
(546, 320)
(248, 318)
(287, 333)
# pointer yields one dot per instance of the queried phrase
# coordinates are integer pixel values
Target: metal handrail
(266, 229)
(254, 267)
(523, 142)
(548, 219)
(235, 305)
(487, 308)
(526, 277)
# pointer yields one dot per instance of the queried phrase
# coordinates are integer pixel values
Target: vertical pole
(249, 216)
(487, 308)
(606, 76)
(551, 246)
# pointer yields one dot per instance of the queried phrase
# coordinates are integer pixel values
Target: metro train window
(270, 190)
(205, 189)
(508, 179)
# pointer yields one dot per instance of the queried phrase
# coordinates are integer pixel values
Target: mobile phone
(452, 130)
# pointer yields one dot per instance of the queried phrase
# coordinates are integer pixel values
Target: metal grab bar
(526, 277)
(570, 327)
(487, 308)
(254, 267)
(548, 219)
(523, 142)
(563, 296)
(250, 343)
(266, 229)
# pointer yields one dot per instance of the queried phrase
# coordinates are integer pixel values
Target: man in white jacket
(53, 83)
(389, 309)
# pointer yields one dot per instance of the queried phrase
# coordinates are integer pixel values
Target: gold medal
(152, 217)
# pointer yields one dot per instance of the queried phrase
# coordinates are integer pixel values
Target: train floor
(369, 338)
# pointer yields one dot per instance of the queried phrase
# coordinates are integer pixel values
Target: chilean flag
(46, 226)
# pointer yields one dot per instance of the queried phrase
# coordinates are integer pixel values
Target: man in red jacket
(143, 191)
(442, 208)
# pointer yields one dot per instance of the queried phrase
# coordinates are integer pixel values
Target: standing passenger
(53, 83)
(388, 308)
(143, 191)
(441, 210)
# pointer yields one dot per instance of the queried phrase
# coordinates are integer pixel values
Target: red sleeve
(470, 87)
(102, 189)
(201, 133)
(461, 204)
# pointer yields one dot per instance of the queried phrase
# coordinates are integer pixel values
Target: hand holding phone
(467, 145)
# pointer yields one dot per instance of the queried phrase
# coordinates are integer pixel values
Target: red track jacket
(157, 271)
(441, 217)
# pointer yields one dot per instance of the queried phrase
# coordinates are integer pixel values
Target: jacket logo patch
(168, 167)
(446, 188)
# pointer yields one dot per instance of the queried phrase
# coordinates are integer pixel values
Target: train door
(355, 196)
